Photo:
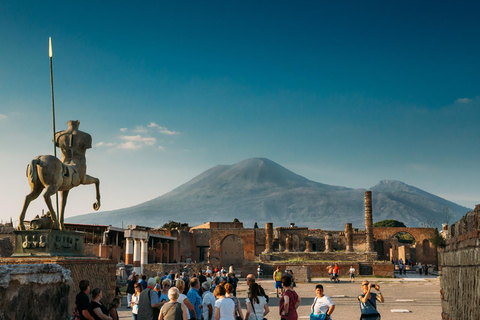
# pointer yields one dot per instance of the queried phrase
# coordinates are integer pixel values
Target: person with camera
(368, 301)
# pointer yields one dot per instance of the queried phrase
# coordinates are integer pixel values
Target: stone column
(268, 237)
(368, 222)
(144, 254)
(349, 237)
(328, 243)
(129, 251)
(308, 246)
(288, 243)
(136, 256)
(166, 247)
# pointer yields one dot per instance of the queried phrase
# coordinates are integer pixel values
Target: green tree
(236, 220)
(170, 225)
(389, 224)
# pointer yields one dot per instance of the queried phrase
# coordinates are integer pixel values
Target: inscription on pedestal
(48, 243)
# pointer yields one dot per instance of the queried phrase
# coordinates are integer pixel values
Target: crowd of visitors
(211, 295)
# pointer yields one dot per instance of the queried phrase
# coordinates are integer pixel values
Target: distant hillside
(260, 190)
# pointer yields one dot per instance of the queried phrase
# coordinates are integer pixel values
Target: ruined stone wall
(460, 266)
(34, 291)
(101, 274)
(150, 270)
(319, 256)
(260, 237)
(6, 247)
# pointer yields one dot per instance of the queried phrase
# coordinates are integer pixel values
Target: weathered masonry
(460, 265)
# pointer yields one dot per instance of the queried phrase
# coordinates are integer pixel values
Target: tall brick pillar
(136, 256)
(328, 243)
(129, 251)
(368, 222)
(268, 237)
(308, 246)
(349, 237)
(288, 243)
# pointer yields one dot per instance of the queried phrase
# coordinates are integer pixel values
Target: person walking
(368, 301)
(322, 304)
(82, 302)
(194, 297)
(257, 306)
(131, 282)
(224, 307)
(135, 299)
(182, 298)
(208, 302)
(149, 302)
(277, 277)
(173, 310)
(290, 300)
(336, 272)
(352, 274)
(238, 305)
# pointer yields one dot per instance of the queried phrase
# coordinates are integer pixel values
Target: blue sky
(341, 92)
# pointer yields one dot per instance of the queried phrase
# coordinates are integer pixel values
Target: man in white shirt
(208, 302)
(352, 274)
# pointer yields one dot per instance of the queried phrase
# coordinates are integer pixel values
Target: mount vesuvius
(260, 190)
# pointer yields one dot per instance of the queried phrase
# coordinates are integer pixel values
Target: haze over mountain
(260, 190)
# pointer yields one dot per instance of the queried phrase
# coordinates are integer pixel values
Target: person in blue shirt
(368, 300)
(194, 297)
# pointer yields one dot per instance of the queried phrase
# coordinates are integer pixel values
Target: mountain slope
(260, 190)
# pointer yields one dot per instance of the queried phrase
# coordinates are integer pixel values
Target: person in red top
(290, 300)
(336, 270)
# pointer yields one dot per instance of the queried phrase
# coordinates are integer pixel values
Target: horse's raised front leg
(36, 190)
(48, 193)
(62, 210)
(90, 180)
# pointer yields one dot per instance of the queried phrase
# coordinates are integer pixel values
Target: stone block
(45, 242)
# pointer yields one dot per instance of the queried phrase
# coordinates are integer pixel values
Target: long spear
(50, 54)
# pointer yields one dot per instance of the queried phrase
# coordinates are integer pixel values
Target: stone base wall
(320, 256)
(101, 274)
(319, 270)
(460, 266)
(34, 291)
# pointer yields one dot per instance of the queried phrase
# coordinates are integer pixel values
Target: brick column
(349, 237)
(268, 237)
(143, 254)
(288, 243)
(308, 246)
(129, 251)
(136, 256)
(368, 222)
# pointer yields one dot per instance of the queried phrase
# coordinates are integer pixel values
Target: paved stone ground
(424, 291)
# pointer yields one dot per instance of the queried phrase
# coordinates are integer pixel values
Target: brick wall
(460, 266)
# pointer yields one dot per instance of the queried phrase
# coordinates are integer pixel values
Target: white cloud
(463, 100)
(129, 145)
(123, 129)
(140, 129)
(161, 148)
(104, 144)
(3, 116)
(161, 129)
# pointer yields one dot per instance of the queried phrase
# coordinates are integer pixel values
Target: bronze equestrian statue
(48, 172)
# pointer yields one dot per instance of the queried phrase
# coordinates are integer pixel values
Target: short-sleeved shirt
(371, 306)
(278, 275)
(208, 299)
(336, 269)
(258, 307)
(181, 299)
(293, 298)
(196, 300)
(94, 305)
(321, 305)
(83, 303)
(226, 307)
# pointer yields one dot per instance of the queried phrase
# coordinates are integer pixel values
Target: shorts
(352, 275)
(278, 285)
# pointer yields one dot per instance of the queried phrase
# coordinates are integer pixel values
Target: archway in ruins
(403, 246)
(232, 250)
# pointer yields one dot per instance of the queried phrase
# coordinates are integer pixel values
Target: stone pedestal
(46, 242)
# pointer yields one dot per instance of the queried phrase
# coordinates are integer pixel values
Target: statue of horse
(49, 173)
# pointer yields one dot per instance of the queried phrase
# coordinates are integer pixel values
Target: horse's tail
(32, 174)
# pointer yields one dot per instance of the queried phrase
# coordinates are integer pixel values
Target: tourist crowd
(211, 295)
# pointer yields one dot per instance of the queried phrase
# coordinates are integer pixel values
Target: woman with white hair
(173, 310)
